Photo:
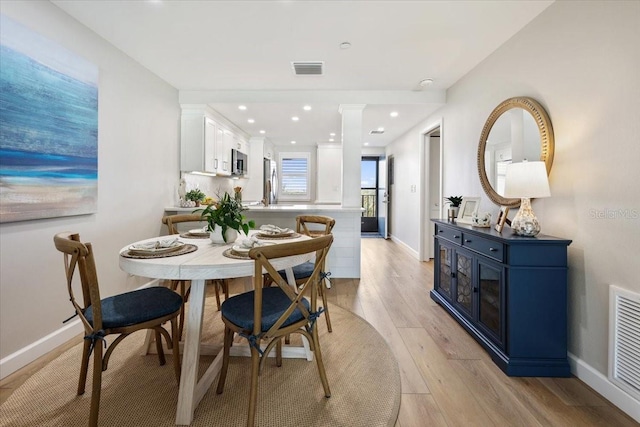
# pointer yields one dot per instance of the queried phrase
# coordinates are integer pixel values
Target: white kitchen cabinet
(241, 145)
(268, 150)
(198, 145)
(225, 145)
(207, 140)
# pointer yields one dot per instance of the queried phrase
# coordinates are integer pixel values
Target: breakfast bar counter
(344, 257)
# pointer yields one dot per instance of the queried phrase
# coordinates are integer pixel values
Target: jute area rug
(362, 371)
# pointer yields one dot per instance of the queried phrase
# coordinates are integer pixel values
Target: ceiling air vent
(376, 132)
(308, 68)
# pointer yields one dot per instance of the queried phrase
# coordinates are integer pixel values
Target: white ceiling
(225, 53)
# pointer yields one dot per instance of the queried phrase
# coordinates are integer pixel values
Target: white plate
(198, 232)
(241, 249)
(244, 250)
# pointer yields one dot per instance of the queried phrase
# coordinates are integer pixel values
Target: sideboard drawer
(490, 248)
(450, 234)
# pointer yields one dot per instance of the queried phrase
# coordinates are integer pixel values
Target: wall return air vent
(308, 68)
(624, 340)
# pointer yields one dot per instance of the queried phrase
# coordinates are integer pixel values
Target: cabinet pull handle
(493, 250)
(467, 241)
(455, 236)
(475, 290)
(440, 231)
(453, 275)
(215, 163)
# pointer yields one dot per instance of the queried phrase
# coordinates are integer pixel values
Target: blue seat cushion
(239, 309)
(137, 306)
(301, 271)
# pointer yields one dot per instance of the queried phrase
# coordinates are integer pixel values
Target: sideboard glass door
(490, 295)
(446, 279)
(464, 287)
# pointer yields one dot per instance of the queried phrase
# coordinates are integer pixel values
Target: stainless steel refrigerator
(270, 182)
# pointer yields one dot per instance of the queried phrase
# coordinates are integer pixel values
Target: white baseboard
(409, 249)
(28, 354)
(606, 388)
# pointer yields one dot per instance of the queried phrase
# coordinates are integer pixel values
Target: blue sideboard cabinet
(509, 292)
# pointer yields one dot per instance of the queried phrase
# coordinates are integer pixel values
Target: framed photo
(502, 219)
(468, 207)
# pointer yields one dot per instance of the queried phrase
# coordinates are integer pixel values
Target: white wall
(580, 60)
(138, 154)
(328, 180)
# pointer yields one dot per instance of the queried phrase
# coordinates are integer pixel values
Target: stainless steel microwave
(238, 162)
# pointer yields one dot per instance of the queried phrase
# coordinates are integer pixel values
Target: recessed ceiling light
(307, 108)
(380, 129)
(366, 143)
(251, 120)
(331, 139)
(263, 131)
(394, 114)
(295, 118)
(242, 107)
(345, 45)
(426, 82)
(332, 134)
(293, 142)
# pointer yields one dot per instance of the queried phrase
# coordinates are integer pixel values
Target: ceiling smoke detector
(426, 83)
(308, 68)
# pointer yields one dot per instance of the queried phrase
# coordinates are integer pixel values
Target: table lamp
(526, 180)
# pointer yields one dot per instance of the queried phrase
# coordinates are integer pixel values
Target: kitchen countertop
(343, 261)
(281, 208)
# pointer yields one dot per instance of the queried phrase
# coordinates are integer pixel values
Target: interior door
(382, 197)
(434, 203)
(389, 198)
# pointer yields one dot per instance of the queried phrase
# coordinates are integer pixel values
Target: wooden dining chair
(121, 314)
(313, 226)
(183, 286)
(271, 313)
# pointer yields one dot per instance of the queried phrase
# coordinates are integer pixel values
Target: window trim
(295, 155)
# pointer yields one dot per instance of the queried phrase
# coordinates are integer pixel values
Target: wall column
(351, 153)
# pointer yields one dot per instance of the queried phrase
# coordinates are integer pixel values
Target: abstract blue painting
(48, 127)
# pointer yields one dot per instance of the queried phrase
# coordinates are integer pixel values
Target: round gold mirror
(518, 129)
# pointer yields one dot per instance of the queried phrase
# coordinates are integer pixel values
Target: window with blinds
(294, 176)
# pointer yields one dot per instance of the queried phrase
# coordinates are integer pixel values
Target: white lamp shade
(526, 179)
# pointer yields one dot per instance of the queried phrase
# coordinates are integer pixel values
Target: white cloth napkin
(273, 229)
(250, 243)
(158, 244)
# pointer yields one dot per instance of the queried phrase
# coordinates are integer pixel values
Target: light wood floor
(447, 378)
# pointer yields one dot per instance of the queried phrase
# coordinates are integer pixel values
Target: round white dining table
(207, 262)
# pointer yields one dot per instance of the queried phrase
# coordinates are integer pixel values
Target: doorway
(390, 192)
(369, 194)
(432, 162)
